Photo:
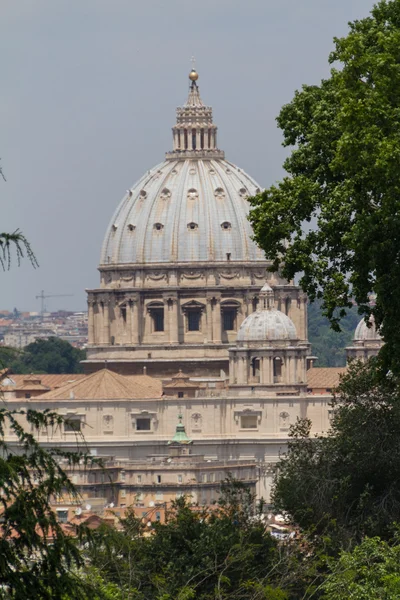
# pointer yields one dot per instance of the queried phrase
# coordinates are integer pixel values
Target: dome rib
(175, 242)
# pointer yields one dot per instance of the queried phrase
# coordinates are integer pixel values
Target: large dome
(184, 211)
(267, 325)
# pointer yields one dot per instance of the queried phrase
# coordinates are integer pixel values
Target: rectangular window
(27, 395)
(158, 478)
(122, 476)
(159, 496)
(139, 479)
(229, 315)
(123, 493)
(62, 516)
(193, 318)
(158, 516)
(143, 424)
(158, 319)
(179, 478)
(180, 394)
(248, 422)
(72, 425)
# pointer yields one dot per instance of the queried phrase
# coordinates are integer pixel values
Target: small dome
(264, 325)
(363, 332)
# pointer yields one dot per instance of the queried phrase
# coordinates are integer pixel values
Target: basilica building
(188, 326)
(179, 271)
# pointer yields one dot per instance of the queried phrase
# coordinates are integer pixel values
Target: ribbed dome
(363, 332)
(264, 325)
(184, 211)
(191, 208)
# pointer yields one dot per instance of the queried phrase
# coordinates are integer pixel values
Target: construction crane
(43, 296)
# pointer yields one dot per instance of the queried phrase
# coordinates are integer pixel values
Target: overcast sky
(88, 96)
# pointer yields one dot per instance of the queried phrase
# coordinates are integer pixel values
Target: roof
(180, 436)
(107, 385)
(267, 324)
(191, 208)
(180, 380)
(46, 381)
(324, 377)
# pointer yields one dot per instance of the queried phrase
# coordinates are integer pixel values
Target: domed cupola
(268, 352)
(366, 342)
(190, 208)
(364, 332)
(179, 268)
(266, 323)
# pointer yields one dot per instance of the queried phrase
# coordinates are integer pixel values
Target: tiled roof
(46, 380)
(324, 377)
(107, 385)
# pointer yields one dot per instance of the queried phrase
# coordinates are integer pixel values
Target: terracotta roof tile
(324, 377)
(107, 385)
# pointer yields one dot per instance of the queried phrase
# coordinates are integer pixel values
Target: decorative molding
(229, 274)
(156, 275)
(192, 275)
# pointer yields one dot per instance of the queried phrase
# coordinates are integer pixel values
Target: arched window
(156, 311)
(255, 369)
(194, 139)
(277, 369)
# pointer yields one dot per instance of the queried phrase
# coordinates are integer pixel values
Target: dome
(184, 211)
(265, 325)
(363, 332)
(191, 208)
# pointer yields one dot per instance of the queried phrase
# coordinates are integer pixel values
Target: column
(198, 138)
(303, 318)
(217, 321)
(134, 310)
(189, 136)
(241, 377)
(182, 146)
(128, 327)
(91, 330)
(172, 308)
(209, 318)
(106, 320)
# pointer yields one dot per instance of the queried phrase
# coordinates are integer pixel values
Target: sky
(88, 95)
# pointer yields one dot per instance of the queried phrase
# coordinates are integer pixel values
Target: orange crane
(43, 296)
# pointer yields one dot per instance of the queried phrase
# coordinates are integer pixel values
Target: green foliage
(195, 554)
(38, 561)
(347, 484)
(371, 570)
(53, 355)
(327, 344)
(335, 217)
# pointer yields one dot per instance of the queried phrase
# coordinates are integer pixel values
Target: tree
(346, 484)
(38, 560)
(225, 553)
(335, 218)
(328, 345)
(53, 355)
(371, 570)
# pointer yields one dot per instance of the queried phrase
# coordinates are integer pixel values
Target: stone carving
(108, 422)
(192, 275)
(261, 274)
(108, 278)
(192, 171)
(196, 421)
(156, 275)
(127, 278)
(284, 420)
(229, 274)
